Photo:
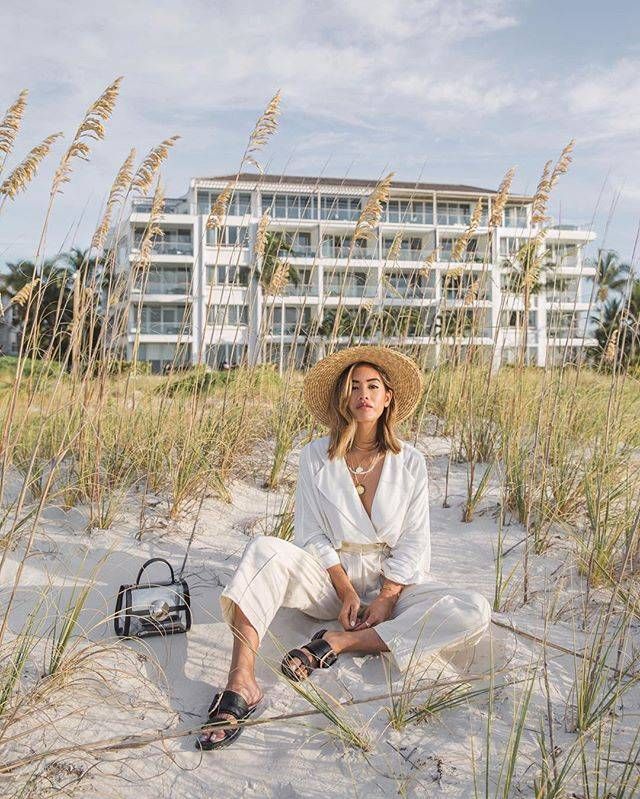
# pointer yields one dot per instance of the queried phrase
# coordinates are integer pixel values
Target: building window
(239, 205)
(228, 236)
(340, 246)
(416, 212)
(515, 216)
(164, 356)
(515, 319)
(289, 206)
(510, 245)
(225, 354)
(295, 320)
(340, 208)
(454, 213)
(165, 279)
(228, 315)
(228, 274)
(168, 320)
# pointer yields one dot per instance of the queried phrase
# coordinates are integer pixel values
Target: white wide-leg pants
(427, 618)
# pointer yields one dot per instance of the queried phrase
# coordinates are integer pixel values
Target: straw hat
(405, 375)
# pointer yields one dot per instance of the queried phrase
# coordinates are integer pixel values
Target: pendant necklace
(359, 470)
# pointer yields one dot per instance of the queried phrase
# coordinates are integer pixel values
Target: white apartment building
(203, 300)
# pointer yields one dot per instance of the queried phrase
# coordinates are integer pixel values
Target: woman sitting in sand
(361, 550)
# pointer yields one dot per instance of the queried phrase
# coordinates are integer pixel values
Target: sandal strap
(323, 652)
(229, 702)
(302, 656)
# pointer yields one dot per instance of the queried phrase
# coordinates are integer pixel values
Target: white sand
(168, 683)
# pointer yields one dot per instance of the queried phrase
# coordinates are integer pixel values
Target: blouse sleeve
(309, 529)
(410, 558)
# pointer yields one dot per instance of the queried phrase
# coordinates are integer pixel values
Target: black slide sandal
(318, 647)
(226, 702)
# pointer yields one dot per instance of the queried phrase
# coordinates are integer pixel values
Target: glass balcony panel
(165, 328)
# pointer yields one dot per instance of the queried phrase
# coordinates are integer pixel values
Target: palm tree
(611, 275)
(618, 326)
(272, 261)
(54, 315)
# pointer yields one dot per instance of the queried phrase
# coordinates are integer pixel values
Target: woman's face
(369, 397)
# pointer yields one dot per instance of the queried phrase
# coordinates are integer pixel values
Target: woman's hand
(379, 610)
(348, 616)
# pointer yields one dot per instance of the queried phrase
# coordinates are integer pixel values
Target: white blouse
(328, 510)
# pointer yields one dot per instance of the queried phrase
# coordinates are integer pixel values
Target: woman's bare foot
(249, 690)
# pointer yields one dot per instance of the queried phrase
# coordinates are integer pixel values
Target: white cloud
(363, 83)
(609, 99)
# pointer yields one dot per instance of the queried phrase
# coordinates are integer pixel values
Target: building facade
(207, 296)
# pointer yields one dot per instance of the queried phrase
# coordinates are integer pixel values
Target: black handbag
(156, 608)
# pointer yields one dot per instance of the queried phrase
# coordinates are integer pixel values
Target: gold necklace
(359, 470)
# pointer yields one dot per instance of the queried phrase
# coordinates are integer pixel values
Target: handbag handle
(155, 560)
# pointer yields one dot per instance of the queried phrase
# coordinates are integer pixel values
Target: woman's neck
(366, 437)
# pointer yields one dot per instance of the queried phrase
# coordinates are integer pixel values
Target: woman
(361, 550)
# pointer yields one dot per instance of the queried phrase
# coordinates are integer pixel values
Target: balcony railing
(340, 214)
(564, 296)
(425, 218)
(331, 251)
(350, 290)
(163, 247)
(409, 292)
(453, 219)
(461, 293)
(560, 262)
(407, 255)
(564, 332)
(299, 251)
(276, 212)
(164, 328)
(171, 205)
(519, 222)
(476, 257)
(155, 287)
(289, 328)
(302, 289)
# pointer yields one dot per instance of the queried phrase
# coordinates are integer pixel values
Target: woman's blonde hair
(343, 424)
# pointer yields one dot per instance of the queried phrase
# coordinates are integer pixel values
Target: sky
(453, 91)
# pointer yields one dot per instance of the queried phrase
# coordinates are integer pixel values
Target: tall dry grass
(556, 448)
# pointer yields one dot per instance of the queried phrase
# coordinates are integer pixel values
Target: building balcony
(565, 297)
(340, 214)
(476, 257)
(302, 289)
(357, 253)
(516, 224)
(299, 251)
(163, 247)
(289, 329)
(171, 205)
(453, 294)
(406, 292)
(459, 220)
(408, 255)
(349, 290)
(153, 287)
(565, 332)
(397, 218)
(163, 328)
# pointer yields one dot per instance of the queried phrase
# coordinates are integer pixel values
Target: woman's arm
(411, 555)
(309, 530)
(307, 522)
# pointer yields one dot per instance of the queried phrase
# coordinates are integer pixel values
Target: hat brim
(320, 380)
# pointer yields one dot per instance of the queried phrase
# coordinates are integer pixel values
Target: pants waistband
(362, 549)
